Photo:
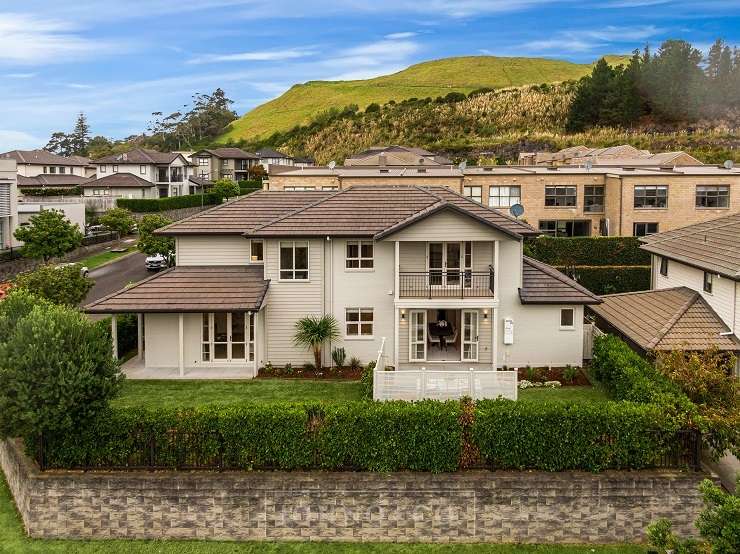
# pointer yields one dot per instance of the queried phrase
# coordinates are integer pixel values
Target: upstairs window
(224, 163)
(474, 193)
(115, 169)
(203, 161)
(103, 168)
(298, 188)
(561, 197)
(504, 197)
(712, 196)
(651, 196)
(52, 169)
(359, 254)
(256, 251)
(567, 318)
(593, 198)
(62, 169)
(664, 267)
(708, 280)
(142, 170)
(644, 229)
(294, 261)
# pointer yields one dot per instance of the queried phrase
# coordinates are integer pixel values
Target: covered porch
(193, 322)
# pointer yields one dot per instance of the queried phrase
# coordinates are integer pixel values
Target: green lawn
(164, 393)
(99, 259)
(14, 541)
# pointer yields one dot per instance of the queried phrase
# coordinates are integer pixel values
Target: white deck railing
(421, 384)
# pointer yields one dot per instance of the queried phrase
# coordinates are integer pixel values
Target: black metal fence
(445, 284)
(97, 238)
(205, 450)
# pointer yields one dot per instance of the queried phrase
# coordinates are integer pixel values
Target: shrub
(152, 205)
(118, 219)
(56, 369)
(355, 363)
(61, 285)
(49, 234)
(51, 191)
(570, 373)
(225, 188)
(557, 436)
(610, 280)
(339, 356)
(588, 251)
(149, 243)
(719, 523)
(366, 381)
(312, 332)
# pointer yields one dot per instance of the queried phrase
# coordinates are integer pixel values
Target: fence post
(40, 454)
(696, 450)
(152, 448)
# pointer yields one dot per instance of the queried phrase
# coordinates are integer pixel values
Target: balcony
(446, 284)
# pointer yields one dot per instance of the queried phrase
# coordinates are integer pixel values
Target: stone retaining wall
(475, 506)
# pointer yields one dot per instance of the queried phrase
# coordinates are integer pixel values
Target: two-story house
(8, 203)
(223, 163)
(268, 157)
(429, 276)
(140, 173)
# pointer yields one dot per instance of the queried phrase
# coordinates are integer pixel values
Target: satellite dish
(589, 165)
(517, 210)
(463, 164)
(332, 165)
(729, 164)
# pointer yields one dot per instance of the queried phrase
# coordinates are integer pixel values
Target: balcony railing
(446, 284)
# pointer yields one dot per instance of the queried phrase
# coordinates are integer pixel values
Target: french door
(417, 335)
(446, 262)
(228, 337)
(470, 324)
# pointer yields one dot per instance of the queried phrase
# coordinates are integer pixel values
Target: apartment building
(557, 200)
(223, 163)
(622, 155)
(396, 156)
(444, 285)
(268, 157)
(31, 163)
(8, 203)
(141, 173)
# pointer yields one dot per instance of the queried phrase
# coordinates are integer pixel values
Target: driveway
(116, 275)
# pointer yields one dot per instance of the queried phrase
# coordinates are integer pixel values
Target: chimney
(381, 159)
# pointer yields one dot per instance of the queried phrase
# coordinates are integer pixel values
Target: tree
(57, 371)
(225, 188)
(99, 147)
(257, 171)
(60, 285)
(719, 523)
(60, 144)
(118, 219)
(71, 144)
(312, 332)
(49, 234)
(149, 243)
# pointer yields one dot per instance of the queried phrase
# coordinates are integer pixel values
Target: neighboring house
(704, 258)
(120, 185)
(623, 155)
(268, 157)
(304, 162)
(223, 163)
(32, 163)
(169, 172)
(558, 201)
(389, 262)
(50, 182)
(396, 156)
(8, 203)
(72, 208)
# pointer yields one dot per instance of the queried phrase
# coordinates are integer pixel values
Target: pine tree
(80, 137)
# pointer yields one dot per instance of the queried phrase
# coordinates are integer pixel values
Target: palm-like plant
(312, 332)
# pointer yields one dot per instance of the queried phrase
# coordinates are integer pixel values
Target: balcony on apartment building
(166, 174)
(446, 283)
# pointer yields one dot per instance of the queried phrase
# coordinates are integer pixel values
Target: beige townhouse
(213, 164)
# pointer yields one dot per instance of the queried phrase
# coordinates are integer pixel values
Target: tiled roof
(190, 289)
(270, 153)
(139, 156)
(241, 216)
(236, 153)
(377, 211)
(51, 181)
(118, 180)
(543, 284)
(712, 245)
(42, 157)
(666, 319)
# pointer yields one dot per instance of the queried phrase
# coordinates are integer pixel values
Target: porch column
(140, 335)
(494, 333)
(181, 344)
(396, 323)
(114, 334)
(496, 268)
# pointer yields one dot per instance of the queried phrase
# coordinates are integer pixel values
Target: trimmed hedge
(51, 191)
(151, 205)
(586, 251)
(374, 436)
(612, 279)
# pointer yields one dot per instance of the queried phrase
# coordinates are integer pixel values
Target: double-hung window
(651, 196)
(712, 196)
(560, 196)
(359, 254)
(473, 192)
(294, 261)
(593, 198)
(504, 196)
(358, 322)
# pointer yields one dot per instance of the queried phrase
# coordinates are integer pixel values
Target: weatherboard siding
(447, 226)
(220, 250)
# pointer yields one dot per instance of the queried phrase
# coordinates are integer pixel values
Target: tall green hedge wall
(582, 251)
(151, 205)
(610, 279)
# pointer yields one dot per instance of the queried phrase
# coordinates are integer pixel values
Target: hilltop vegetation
(302, 103)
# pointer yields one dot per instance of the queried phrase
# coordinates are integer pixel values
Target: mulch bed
(300, 373)
(556, 374)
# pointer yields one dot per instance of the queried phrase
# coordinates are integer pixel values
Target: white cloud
(78, 86)
(586, 40)
(12, 140)
(370, 60)
(20, 75)
(258, 56)
(398, 36)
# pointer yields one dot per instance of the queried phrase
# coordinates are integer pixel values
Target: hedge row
(375, 436)
(50, 191)
(150, 205)
(588, 251)
(612, 279)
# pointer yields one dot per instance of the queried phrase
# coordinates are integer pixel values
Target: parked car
(158, 261)
(95, 229)
(84, 270)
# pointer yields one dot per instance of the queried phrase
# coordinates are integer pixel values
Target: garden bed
(309, 372)
(560, 374)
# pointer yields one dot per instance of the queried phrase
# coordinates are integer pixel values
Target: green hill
(434, 78)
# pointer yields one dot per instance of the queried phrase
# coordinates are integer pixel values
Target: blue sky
(118, 61)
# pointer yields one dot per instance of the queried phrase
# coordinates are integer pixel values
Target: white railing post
(472, 383)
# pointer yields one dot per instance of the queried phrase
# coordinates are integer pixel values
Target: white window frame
(358, 335)
(298, 188)
(293, 244)
(413, 314)
(203, 161)
(103, 168)
(359, 257)
(472, 341)
(62, 170)
(468, 192)
(142, 170)
(708, 279)
(570, 327)
(115, 169)
(509, 196)
(251, 251)
(250, 333)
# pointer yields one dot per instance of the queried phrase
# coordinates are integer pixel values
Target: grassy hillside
(429, 79)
